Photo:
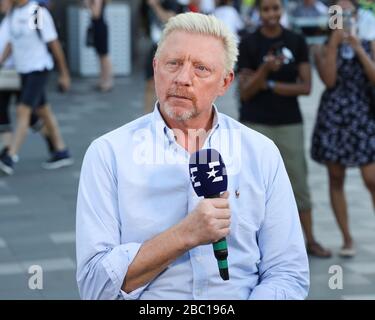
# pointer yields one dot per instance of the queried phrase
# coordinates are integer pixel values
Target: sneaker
(5, 150)
(58, 160)
(6, 164)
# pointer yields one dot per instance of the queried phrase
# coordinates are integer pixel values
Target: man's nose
(184, 76)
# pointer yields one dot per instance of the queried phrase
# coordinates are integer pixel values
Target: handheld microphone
(209, 178)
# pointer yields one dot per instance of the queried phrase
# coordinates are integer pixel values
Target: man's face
(189, 75)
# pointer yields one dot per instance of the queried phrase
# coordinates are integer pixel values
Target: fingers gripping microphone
(209, 178)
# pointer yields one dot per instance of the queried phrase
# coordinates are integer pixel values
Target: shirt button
(199, 258)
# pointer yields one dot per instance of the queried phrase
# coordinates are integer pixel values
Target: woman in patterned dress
(344, 134)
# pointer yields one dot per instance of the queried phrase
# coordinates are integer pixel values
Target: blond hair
(206, 25)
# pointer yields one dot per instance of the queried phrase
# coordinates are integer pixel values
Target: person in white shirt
(5, 7)
(6, 95)
(230, 16)
(32, 33)
(143, 233)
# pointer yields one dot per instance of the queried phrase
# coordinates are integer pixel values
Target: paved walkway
(37, 208)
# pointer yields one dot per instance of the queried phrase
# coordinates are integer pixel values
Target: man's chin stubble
(187, 115)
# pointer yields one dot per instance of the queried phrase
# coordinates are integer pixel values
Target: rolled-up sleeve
(102, 260)
(283, 266)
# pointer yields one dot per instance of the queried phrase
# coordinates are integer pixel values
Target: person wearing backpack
(9, 92)
(33, 38)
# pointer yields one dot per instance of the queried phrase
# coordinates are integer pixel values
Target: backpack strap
(36, 22)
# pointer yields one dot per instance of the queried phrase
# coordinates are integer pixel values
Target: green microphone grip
(221, 254)
(221, 251)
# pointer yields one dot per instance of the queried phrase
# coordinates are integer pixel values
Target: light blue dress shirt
(135, 184)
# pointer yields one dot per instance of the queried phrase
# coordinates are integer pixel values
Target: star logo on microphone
(213, 172)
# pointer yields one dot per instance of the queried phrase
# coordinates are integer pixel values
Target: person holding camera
(32, 36)
(344, 133)
(274, 70)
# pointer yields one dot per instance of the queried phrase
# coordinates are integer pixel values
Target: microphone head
(208, 173)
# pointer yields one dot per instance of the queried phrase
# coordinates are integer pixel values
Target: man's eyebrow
(173, 58)
(194, 61)
(200, 61)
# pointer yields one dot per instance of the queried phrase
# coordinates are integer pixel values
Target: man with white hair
(142, 233)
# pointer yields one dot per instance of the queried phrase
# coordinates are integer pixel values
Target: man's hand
(64, 82)
(272, 63)
(208, 223)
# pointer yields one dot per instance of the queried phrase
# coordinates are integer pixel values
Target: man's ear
(226, 82)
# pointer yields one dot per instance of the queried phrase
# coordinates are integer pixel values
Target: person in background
(157, 13)
(274, 70)
(101, 42)
(344, 133)
(253, 19)
(33, 61)
(6, 95)
(225, 12)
